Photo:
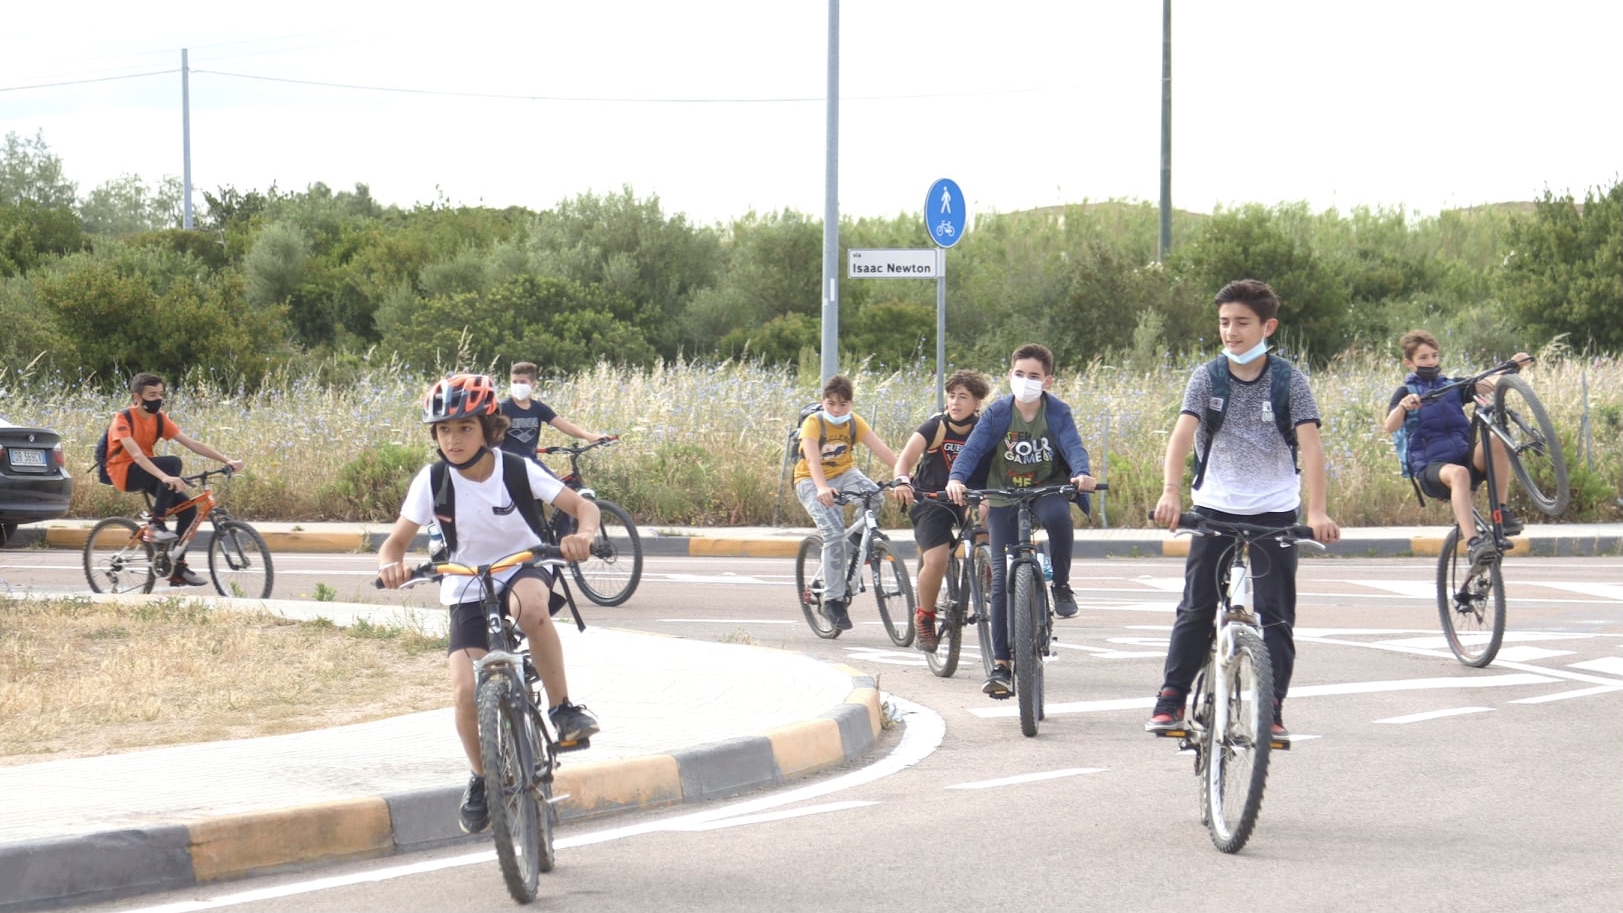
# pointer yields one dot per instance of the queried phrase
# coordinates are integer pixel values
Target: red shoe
(924, 630)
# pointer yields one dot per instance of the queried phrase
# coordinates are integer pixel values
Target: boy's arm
(1406, 404)
(1311, 450)
(1182, 439)
(577, 546)
(1486, 385)
(573, 430)
(814, 468)
(202, 449)
(175, 483)
(885, 454)
(905, 461)
(392, 553)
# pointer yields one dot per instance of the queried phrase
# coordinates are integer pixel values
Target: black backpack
(791, 450)
(101, 446)
(1279, 396)
(515, 477)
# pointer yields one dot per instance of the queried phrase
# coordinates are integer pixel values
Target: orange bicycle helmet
(459, 396)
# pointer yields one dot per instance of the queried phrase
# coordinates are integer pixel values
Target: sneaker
(1481, 550)
(834, 610)
(185, 576)
(1278, 732)
(1168, 713)
(475, 813)
(924, 630)
(157, 536)
(999, 684)
(1064, 602)
(1508, 521)
(573, 722)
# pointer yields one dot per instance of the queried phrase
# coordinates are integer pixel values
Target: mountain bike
(1031, 613)
(870, 547)
(518, 748)
(611, 575)
(1229, 721)
(1471, 595)
(966, 589)
(119, 559)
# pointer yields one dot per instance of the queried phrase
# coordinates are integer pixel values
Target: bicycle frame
(575, 481)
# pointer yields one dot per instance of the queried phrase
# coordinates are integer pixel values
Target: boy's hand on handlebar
(1084, 482)
(1325, 529)
(577, 546)
(825, 496)
(394, 574)
(1168, 510)
(955, 492)
(903, 492)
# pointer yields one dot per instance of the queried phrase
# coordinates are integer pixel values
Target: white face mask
(1250, 355)
(1025, 389)
(837, 419)
(520, 391)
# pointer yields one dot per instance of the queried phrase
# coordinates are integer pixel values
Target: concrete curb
(114, 864)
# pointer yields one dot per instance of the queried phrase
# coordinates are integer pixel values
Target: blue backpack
(1400, 446)
(1279, 396)
(101, 446)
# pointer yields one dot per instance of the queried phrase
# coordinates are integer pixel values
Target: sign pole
(946, 215)
(940, 329)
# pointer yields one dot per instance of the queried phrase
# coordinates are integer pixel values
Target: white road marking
(1563, 695)
(1435, 714)
(1610, 664)
(772, 816)
(1029, 778)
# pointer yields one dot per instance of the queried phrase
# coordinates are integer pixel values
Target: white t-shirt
(488, 523)
(1250, 471)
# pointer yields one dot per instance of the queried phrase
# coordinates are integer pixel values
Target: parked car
(34, 481)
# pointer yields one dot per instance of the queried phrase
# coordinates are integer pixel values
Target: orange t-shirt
(145, 431)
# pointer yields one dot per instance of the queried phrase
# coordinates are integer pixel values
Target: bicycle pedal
(1280, 744)
(1171, 733)
(574, 745)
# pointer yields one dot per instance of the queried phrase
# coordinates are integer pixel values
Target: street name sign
(895, 263)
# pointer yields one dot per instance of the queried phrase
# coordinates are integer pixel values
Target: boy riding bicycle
(1443, 459)
(826, 467)
(933, 448)
(463, 421)
(1028, 440)
(1248, 475)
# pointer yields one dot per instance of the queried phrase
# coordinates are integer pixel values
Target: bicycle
(1229, 721)
(966, 589)
(611, 575)
(1471, 595)
(518, 748)
(1030, 612)
(119, 559)
(871, 548)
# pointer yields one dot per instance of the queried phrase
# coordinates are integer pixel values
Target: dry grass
(81, 678)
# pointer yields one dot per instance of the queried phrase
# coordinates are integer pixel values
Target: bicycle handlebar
(1201, 525)
(202, 477)
(430, 571)
(578, 449)
(1509, 367)
(841, 497)
(976, 495)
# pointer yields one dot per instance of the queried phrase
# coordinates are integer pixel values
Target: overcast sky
(717, 106)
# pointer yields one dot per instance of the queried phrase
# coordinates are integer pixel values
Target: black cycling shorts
(468, 618)
(933, 522)
(1431, 483)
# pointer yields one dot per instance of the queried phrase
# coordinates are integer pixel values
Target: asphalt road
(1414, 783)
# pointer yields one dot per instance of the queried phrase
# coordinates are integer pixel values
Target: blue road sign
(946, 212)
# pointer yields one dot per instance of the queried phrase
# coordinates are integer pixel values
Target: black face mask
(1429, 372)
(152, 405)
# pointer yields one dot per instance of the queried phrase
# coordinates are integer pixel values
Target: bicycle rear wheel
(1024, 583)
(240, 562)
(949, 621)
(1470, 603)
(893, 590)
(1238, 746)
(115, 558)
(514, 816)
(809, 587)
(980, 601)
(1535, 448)
(611, 575)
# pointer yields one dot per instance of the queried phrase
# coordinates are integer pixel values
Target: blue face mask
(1250, 355)
(837, 419)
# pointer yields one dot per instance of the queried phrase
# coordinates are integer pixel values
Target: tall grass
(703, 442)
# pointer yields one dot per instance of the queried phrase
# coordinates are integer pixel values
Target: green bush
(371, 486)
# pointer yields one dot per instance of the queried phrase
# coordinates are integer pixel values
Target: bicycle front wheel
(1024, 581)
(980, 601)
(1535, 449)
(115, 558)
(611, 575)
(514, 816)
(240, 562)
(949, 621)
(809, 587)
(1238, 743)
(1470, 603)
(893, 590)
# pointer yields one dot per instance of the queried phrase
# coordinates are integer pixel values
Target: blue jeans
(1052, 513)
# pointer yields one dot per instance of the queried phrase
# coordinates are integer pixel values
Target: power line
(79, 82)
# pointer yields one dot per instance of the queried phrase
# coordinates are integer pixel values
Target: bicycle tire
(514, 817)
(240, 562)
(949, 619)
(892, 589)
(1026, 653)
(1237, 753)
(1534, 448)
(809, 587)
(116, 560)
(544, 751)
(1470, 604)
(611, 575)
(980, 594)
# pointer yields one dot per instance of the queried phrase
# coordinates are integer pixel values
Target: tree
(125, 206)
(30, 171)
(31, 234)
(1564, 273)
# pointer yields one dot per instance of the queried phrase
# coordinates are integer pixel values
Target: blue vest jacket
(1439, 431)
(994, 423)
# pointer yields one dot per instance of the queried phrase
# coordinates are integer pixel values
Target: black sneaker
(1481, 550)
(999, 684)
(1064, 602)
(573, 721)
(1168, 713)
(834, 611)
(475, 816)
(1508, 521)
(924, 631)
(185, 576)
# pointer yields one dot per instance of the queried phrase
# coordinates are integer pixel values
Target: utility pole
(1166, 131)
(185, 142)
(831, 203)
